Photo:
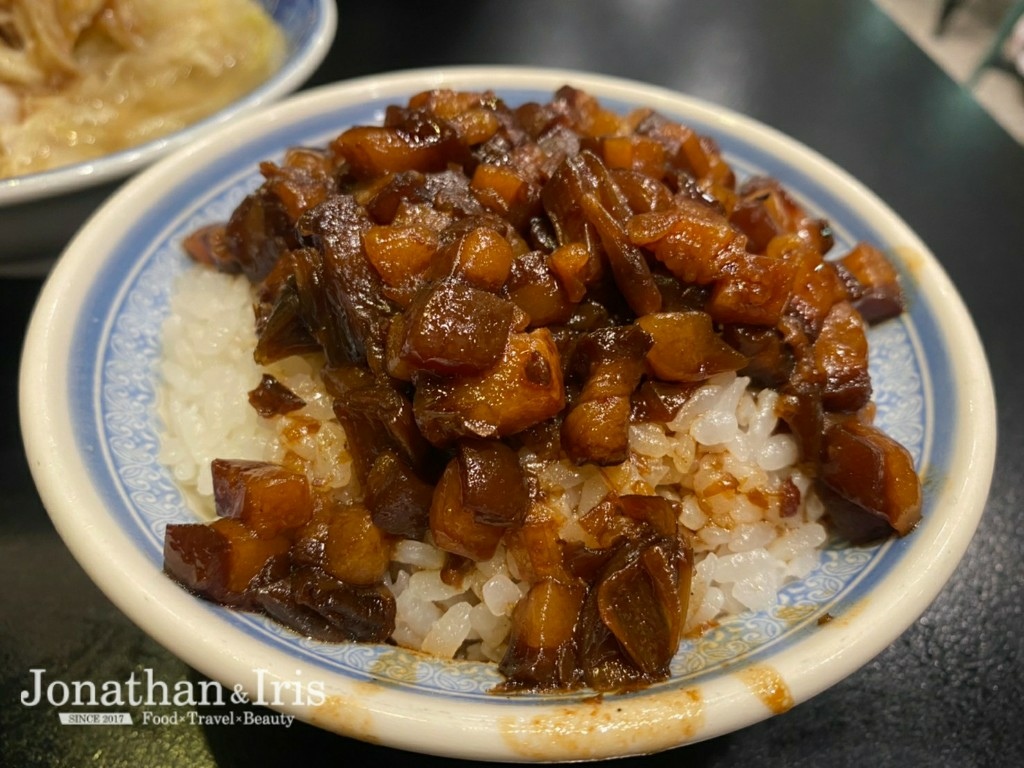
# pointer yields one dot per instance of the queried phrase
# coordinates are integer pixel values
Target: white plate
(87, 407)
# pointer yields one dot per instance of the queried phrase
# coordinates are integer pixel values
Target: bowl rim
(562, 730)
(121, 164)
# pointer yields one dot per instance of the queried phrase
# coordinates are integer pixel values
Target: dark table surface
(838, 76)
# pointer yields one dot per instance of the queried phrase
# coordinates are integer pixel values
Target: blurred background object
(978, 43)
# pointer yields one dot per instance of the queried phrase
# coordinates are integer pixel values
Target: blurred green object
(948, 6)
(994, 56)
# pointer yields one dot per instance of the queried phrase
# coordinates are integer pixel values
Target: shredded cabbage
(83, 78)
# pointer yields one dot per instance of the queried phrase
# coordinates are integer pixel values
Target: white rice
(719, 456)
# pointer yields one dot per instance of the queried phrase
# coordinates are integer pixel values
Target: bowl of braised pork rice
(509, 414)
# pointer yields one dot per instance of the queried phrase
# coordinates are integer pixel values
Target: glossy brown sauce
(767, 685)
(601, 728)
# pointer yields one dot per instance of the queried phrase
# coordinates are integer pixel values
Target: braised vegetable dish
(80, 79)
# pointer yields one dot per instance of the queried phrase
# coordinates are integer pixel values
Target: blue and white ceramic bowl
(40, 212)
(88, 412)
